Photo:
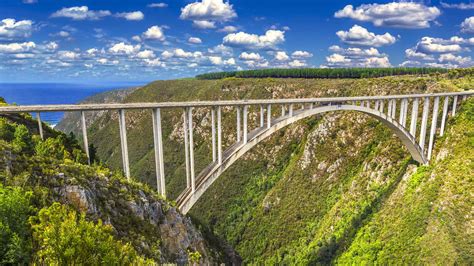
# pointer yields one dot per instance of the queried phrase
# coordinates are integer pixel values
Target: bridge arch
(209, 175)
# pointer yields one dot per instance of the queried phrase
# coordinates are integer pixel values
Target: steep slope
(299, 197)
(53, 171)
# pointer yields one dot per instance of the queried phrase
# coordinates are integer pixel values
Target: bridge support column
(283, 110)
(239, 134)
(434, 122)
(381, 106)
(367, 104)
(262, 116)
(290, 111)
(445, 113)
(158, 144)
(377, 104)
(219, 135)
(269, 116)
(124, 144)
(186, 146)
(40, 125)
(424, 122)
(311, 105)
(389, 108)
(84, 137)
(245, 128)
(394, 109)
(414, 117)
(455, 103)
(213, 132)
(403, 112)
(191, 149)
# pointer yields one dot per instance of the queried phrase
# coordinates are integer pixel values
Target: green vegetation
(328, 73)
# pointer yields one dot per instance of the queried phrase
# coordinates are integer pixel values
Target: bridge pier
(382, 105)
(283, 110)
(191, 149)
(262, 116)
(414, 117)
(84, 137)
(269, 116)
(389, 108)
(424, 122)
(434, 121)
(377, 105)
(290, 111)
(445, 113)
(40, 125)
(158, 145)
(186, 147)
(455, 102)
(219, 135)
(239, 134)
(213, 133)
(394, 109)
(124, 144)
(403, 112)
(245, 128)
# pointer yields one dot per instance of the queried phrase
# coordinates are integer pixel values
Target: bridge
(392, 110)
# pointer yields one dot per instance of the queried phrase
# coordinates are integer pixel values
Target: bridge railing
(392, 106)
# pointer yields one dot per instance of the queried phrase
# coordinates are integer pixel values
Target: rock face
(137, 216)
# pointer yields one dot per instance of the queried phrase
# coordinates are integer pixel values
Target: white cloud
(105, 61)
(356, 57)
(467, 25)
(68, 55)
(301, 54)
(210, 10)
(194, 40)
(245, 40)
(63, 34)
(463, 6)
(23, 56)
(282, 56)
(124, 49)
(220, 49)
(17, 47)
(228, 29)
(30, 1)
(52, 46)
(180, 53)
(396, 14)
(12, 29)
(250, 56)
(154, 62)
(217, 60)
(458, 60)
(429, 45)
(92, 51)
(80, 13)
(358, 35)
(412, 54)
(297, 63)
(154, 33)
(135, 15)
(204, 24)
(158, 5)
(146, 54)
(137, 38)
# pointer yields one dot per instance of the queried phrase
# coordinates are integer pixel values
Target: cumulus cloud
(228, 29)
(158, 5)
(194, 40)
(250, 56)
(281, 56)
(180, 53)
(154, 62)
(358, 35)
(409, 15)
(12, 48)
(107, 62)
(429, 45)
(220, 49)
(124, 49)
(204, 24)
(209, 10)
(463, 6)
(467, 25)
(135, 15)
(80, 13)
(252, 41)
(68, 55)
(301, 54)
(11, 29)
(52, 46)
(412, 54)
(218, 61)
(455, 59)
(146, 54)
(356, 57)
(154, 33)
(297, 63)
(30, 1)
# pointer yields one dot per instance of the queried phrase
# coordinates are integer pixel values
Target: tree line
(323, 73)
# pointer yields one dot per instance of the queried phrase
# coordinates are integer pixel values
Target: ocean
(55, 93)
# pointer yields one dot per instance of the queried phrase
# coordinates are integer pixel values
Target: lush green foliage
(322, 73)
(63, 238)
(15, 235)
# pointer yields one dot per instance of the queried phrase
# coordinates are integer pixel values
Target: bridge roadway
(382, 108)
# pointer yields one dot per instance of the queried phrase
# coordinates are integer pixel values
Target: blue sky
(92, 40)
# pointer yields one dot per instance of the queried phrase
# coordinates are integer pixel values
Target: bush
(22, 139)
(15, 235)
(62, 237)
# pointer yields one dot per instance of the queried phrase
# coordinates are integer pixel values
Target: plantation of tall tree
(322, 73)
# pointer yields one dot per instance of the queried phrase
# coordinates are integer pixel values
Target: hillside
(54, 209)
(316, 192)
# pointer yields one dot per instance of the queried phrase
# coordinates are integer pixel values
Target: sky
(145, 40)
